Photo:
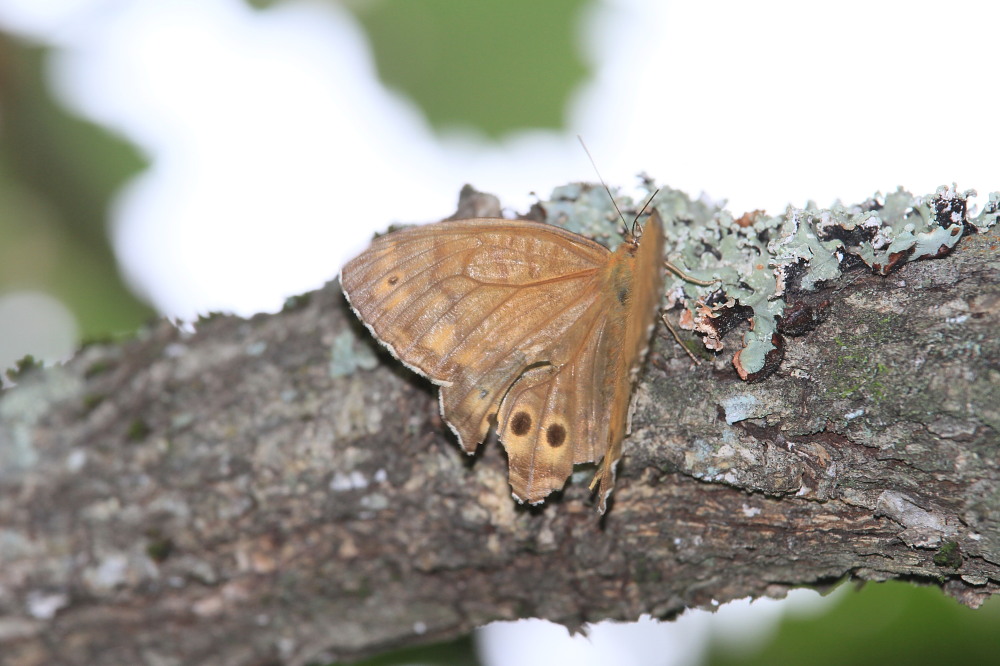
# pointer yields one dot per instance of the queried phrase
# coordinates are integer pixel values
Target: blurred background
(171, 158)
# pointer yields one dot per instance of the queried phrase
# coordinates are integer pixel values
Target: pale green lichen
(22, 408)
(348, 353)
(754, 258)
(588, 210)
(742, 407)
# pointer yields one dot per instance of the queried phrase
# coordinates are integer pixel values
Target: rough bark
(244, 494)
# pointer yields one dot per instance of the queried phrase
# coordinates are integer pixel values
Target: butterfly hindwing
(547, 424)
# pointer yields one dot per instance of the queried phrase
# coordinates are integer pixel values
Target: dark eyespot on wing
(555, 435)
(392, 280)
(520, 424)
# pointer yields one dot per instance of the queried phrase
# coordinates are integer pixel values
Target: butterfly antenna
(644, 207)
(648, 201)
(606, 188)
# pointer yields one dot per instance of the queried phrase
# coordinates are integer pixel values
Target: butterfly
(524, 325)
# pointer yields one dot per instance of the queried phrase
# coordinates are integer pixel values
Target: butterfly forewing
(472, 303)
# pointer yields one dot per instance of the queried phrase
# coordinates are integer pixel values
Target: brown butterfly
(523, 324)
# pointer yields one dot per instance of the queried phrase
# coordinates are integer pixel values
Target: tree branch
(279, 489)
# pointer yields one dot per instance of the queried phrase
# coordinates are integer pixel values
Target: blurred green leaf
(488, 66)
(58, 174)
(459, 652)
(888, 623)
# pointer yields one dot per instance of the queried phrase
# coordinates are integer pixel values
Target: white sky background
(276, 152)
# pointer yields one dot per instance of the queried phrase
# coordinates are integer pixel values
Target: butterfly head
(632, 233)
(631, 236)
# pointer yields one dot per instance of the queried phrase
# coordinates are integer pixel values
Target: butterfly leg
(673, 332)
(663, 315)
(676, 270)
(604, 479)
